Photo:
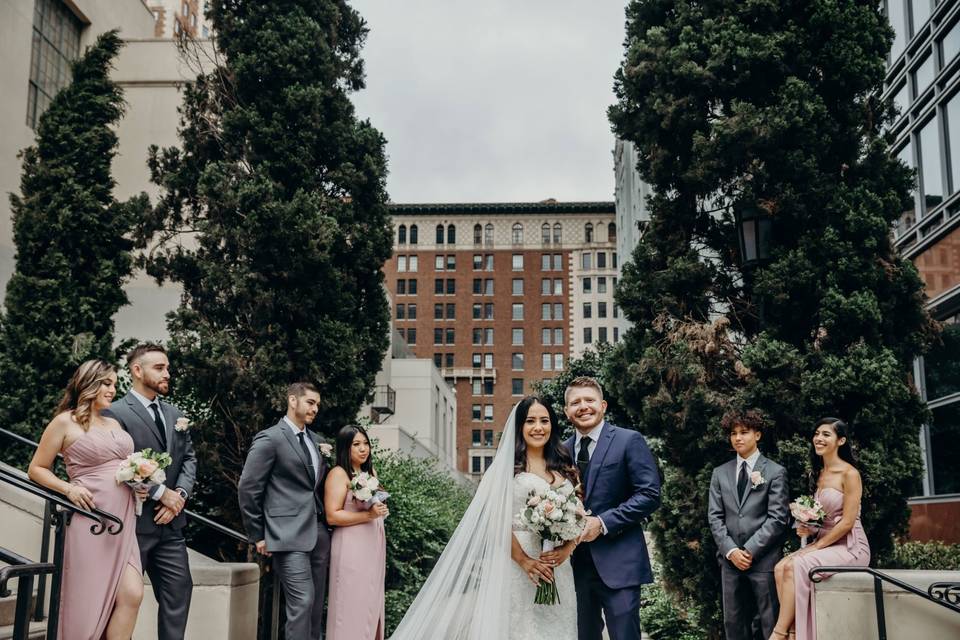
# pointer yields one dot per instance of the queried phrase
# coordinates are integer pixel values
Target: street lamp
(755, 230)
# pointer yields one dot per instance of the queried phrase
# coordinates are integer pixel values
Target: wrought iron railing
(24, 571)
(945, 594)
(58, 512)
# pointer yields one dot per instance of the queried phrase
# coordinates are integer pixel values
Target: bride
(491, 566)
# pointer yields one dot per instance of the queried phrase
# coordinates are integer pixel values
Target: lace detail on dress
(529, 621)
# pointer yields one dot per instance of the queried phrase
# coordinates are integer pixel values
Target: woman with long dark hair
(358, 548)
(840, 541)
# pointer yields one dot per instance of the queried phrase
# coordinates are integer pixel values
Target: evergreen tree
(73, 252)
(280, 193)
(771, 105)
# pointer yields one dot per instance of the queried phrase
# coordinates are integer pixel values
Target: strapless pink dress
(851, 550)
(93, 564)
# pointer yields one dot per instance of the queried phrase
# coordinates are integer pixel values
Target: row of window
(907, 17)
(587, 284)
(587, 260)
(479, 464)
(484, 311)
(56, 42)
(548, 361)
(601, 310)
(483, 234)
(602, 334)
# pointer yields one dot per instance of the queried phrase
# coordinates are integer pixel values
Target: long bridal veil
(467, 595)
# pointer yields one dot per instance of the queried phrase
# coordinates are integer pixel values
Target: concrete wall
(225, 595)
(846, 610)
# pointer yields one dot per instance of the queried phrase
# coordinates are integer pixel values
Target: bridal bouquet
(142, 471)
(366, 488)
(807, 512)
(557, 516)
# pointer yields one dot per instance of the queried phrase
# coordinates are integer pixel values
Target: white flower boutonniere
(182, 424)
(756, 479)
(326, 450)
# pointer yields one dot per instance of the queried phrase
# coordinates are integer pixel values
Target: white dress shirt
(311, 447)
(159, 491)
(751, 462)
(594, 437)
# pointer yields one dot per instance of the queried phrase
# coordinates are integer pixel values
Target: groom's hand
(592, 531)
(741, 559)
(172, 500)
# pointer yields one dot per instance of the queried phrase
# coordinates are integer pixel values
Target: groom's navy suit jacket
(623, 488)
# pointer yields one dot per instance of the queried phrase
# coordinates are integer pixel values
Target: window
(488, 335)
(908, 217)
(451, 286)
(401, 264)
(546, 286)
(545, 233)
(488, 386)
(547, 362)
(488, 262)
(546, 337)
(557, 233)
(401, 287)
(448, 360)
(558, 262)
(558, 336)
(476, 412)
(923, 75)
(517, 286)
(558, 362)
(930, 173)
(475, 438)
(477, 234)
(921, 13)
(414, 263)
(612, 232)
(902, 98)
(476, 361)
(587, 285)
(477, 336)
(558, 286)
(186, 9)
(587, 310)
(476, 463)
(412, 287)
(402, 234)
(517, 337)
(602, 284)
(411, 336)
(488, 234)
(483, 336)
(601, 334)
(483, 286)
(950, 45)
(56, 42)
(517, 262)
(488, 413)
(438, 286)
(413, 234)
(587, 335)
(488, 438)
(545, 262)
(451, 234)
(516, 386)
(588, 232)
(557, 311)
(438, 336)
(616, 333)
(475, 387)
(450, 335)
(438, 312)
(601, 309)
(452, 263)
(546, 311)
(411, 312)
(488, 361)
(516, 233)
(517, 311)
(602, 260)
(488, 311)
(193, 20)
(586, 261)
(516, 361)
(438, 263)
(944, 449)
(439, 234)
(616, 310)
(401, 311)
(897, 13)
(451, 311)
(438, 360)
(953, 138)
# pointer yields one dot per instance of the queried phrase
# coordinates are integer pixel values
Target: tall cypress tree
(73, 251)
(771, 105)
(280, 190)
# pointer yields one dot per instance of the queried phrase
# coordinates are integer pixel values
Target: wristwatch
(182, 492)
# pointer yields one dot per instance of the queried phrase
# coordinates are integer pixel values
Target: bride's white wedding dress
(529, 621)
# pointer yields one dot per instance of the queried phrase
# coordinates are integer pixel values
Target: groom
(621, 487)
(158, 425)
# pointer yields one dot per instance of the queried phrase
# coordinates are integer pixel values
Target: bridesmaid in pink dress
(358, 550)
(102, 585)
(840, 542)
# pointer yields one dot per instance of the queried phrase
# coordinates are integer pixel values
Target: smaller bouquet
(143, 471)
(807, 512)
(557, 516)
(366, 488)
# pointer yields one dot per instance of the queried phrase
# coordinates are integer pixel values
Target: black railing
(58, 511)
(945, 594)
(24, 571)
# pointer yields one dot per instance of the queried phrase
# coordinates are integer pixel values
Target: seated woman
(840, 542)
(358, 549)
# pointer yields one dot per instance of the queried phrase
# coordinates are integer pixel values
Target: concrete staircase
(8, 608)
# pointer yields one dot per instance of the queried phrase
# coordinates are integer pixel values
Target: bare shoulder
(111, 422)
(851, 475)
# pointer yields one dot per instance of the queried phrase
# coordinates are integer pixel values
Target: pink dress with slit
(93, 564)
(851, 550)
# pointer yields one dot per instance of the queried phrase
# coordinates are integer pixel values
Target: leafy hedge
(923, 555)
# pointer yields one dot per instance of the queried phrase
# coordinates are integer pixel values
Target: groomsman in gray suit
(748, 512)
(281, 502)
(158, 425)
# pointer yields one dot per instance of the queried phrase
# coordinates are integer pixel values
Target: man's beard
(157, 387)
(305, 418)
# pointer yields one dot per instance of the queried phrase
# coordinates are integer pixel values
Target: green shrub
(663, 617)
(923, 555)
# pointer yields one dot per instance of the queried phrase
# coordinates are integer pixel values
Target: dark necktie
(583, 459)
(157, 421)
(742, 481)
(306, 453)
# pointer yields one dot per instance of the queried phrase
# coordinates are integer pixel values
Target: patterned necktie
(583, 459)
(159, 422)
(742, 481)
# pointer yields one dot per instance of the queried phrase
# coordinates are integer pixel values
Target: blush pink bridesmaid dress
(92, 564)
(851, 550)
(358, 566)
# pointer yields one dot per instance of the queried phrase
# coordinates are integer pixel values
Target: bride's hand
(80, 496)
(559, 555)
(537, 570)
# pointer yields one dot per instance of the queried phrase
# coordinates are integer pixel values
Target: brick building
(494, 294)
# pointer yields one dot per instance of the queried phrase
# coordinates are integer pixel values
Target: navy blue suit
(623, 488)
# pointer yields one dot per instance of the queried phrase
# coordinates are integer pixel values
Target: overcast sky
(493, 100)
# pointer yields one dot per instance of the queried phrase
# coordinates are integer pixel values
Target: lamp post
(755, 231)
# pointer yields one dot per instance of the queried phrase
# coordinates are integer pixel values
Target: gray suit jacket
(757, 524)
(182, 472)
(277, 502)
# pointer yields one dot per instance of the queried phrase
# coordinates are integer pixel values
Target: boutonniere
(326, 450)
(756, 479)
(182, 424)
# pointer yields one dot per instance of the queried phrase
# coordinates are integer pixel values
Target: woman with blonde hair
(102, 580)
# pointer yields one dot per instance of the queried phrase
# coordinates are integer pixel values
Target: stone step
(38, 631)
(8, 605)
